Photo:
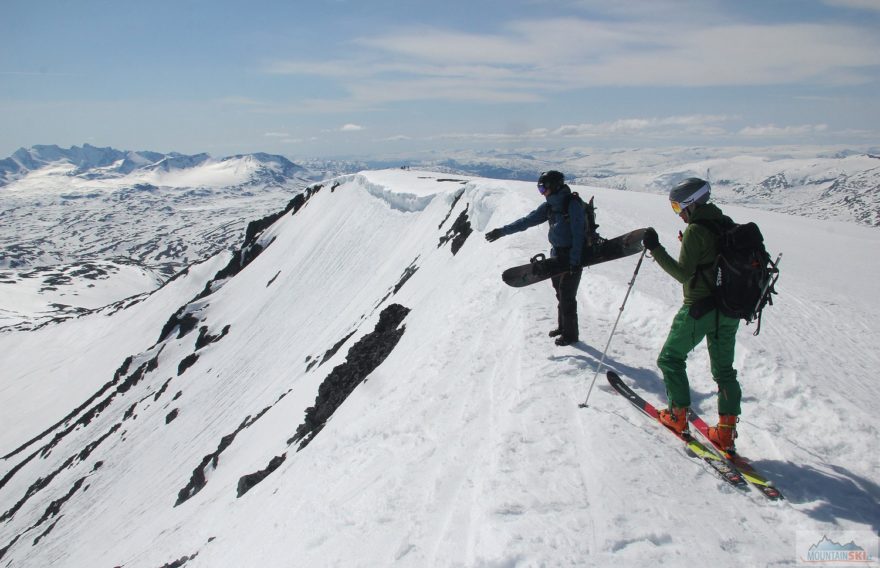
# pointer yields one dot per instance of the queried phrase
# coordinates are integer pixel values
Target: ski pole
(619, 313)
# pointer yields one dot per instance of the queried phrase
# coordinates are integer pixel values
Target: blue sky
(332, 78)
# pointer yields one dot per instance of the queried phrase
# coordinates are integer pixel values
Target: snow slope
(465, 446)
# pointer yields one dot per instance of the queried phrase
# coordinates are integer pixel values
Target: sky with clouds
(333, 78)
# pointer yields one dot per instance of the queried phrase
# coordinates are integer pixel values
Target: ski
(724, 468)
(742, 464)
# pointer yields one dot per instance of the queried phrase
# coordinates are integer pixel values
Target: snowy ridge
(464, 444)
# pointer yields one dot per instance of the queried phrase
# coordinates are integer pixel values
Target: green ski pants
(685, 334)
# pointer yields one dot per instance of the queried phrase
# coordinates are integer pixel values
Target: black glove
(494, 235)
(650, 239)
(575, 269)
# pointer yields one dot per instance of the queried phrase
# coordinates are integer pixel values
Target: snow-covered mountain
(91, 163)
(355, 386)
(815, 182)
(142, 215)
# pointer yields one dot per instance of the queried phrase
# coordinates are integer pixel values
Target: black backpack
(743, 275)
(590, 232)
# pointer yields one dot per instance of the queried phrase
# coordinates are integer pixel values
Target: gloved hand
(494, 235)
(575, 269)
(650, 239)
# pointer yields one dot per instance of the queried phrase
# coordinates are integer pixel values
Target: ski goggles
(543, 189)
(679, 206)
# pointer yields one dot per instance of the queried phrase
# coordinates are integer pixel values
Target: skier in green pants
(698, 318)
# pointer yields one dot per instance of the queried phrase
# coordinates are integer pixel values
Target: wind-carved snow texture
(362, 359)
(251, 249)
(51, 511)
(122, 386)
(406, 202)
(199, 478)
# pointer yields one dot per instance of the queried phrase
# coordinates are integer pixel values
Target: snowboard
(541, 268)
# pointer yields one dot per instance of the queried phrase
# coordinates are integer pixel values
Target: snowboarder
(565, 214)
(698, 317)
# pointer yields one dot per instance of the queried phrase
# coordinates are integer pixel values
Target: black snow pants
(566, 286)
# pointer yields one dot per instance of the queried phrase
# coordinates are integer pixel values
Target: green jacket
(698, 246)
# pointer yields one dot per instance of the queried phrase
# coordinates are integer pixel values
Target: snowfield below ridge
(466, 446)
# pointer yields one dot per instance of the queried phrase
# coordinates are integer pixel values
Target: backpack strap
(700, 269)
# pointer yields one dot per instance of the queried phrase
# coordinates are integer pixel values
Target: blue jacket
(566, 233)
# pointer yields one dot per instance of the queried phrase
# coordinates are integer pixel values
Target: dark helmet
(688, 192)
(551, 181)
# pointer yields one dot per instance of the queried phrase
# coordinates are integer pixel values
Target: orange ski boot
(675, 418)
(724, 433)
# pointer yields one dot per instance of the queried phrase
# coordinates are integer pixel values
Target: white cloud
(656, 127)
(351, 127)
(705, 125)
(276, 135)
(519, 64)
(771, 130)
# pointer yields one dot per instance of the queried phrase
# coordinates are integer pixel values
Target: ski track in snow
(466, 446)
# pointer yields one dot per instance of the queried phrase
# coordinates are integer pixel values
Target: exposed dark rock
(6, 548)
(251, 249)
(269, 283)
(44, 482)
(55, 506)
(206, 339)
(130, 412)
(185, 323)
(247, 482)
(180, 562)
(186, 363)
(86, 418)
(458, 233)
(171, 416)
(198, 479)
(120, 372)
(362, 359)
(46, 532)
(333, 350)
(407, 274)
(451, 209)
(162, 390)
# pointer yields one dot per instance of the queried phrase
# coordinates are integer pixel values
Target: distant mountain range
(148, 215)
(837, 184)
(90, 162)
(140, 216)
